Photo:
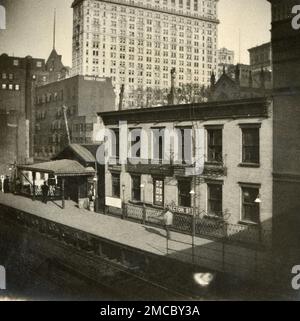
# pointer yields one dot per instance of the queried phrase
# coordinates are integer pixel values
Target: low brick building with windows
(235, 144)
(83, 97)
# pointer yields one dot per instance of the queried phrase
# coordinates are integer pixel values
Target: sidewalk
(208, 253)
(135, 235)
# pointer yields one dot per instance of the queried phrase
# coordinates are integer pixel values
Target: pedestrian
(45, 192)
(168, 220)
(6, 184)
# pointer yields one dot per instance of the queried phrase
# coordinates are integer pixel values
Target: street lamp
(258, 202)
(192, 193)
(95, 180)
(142, 186)
(258, 199)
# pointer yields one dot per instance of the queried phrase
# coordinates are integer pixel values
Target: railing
(204, 227)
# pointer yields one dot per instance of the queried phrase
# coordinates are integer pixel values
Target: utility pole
(65, 108)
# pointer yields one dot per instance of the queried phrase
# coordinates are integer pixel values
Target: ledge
(252, 165)
(249, 223)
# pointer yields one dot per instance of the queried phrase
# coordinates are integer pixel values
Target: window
(158, 143)
(250, 142)
(3, 86)
(184, 190)
(214, 144)
(185, 145)
(116, 144)
(158, 192)
(136, 188)
(115, 185)
(215, 197)
(250, 209)
(17, 87)
(16, 62)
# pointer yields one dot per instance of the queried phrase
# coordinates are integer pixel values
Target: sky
(30, 27)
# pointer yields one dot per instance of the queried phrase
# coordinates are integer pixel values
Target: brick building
(83, 97)
(286, 136)
(250, 148)
(235, 144)
(18, 79)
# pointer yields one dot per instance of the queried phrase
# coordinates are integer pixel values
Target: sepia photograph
(149, 151)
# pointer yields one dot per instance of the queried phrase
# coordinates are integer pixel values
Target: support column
(33, 185)
(63, 192)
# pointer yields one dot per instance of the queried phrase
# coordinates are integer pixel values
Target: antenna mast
(65, 108)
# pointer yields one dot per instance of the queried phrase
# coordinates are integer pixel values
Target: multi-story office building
(83, 97)
(261, 57)
(225, 59)
(137, 43)
(18, 79)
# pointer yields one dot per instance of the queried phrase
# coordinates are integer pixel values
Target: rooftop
(64, 167)
(240, 108)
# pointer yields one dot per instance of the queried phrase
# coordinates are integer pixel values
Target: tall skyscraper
(137, 43)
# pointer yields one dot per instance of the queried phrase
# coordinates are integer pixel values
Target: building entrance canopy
(70, 178)
(60, 168)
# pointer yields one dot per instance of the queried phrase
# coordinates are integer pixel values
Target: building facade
(18, 79)
(261, 57)
(234, 143)
(137, 43)
(286, 82)
(240, 83)
(83, 97)
(225, 59)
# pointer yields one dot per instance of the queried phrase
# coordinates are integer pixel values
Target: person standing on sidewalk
(6, 183)
(45, 192)
(168, 220)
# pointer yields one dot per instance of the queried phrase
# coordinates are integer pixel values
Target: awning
(64, 167)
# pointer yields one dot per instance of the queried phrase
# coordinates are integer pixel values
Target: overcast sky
(30, 25)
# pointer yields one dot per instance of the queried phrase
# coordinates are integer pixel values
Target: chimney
(262, 80)
(212, 80)
(171, 96)
(121, 97)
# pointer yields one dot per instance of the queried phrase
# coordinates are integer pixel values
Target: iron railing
(204, 226)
